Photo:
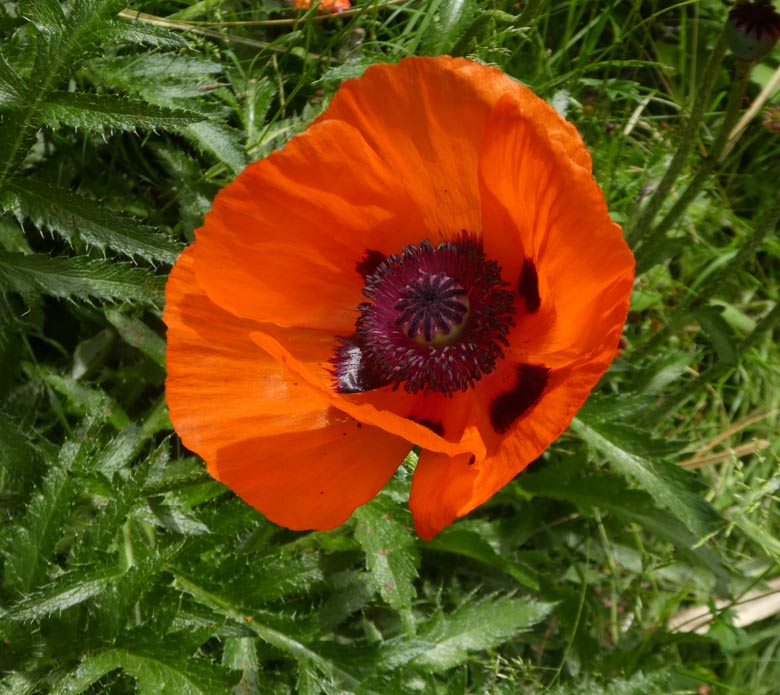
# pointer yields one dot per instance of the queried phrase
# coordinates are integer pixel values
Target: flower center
(436, 320)
(433, 309)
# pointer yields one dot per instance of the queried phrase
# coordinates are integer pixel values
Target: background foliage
(125, 569)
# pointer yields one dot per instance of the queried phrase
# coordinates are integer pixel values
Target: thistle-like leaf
(668, 484)
(32, 538)
(78, 278)
(69, 590)
(76, 217)
(391, 554)
(12, 87)
(476, 626)
(46, 15)
(98, 112)
(129, 31)
(158, 77)
(139, 335)
(152, 669)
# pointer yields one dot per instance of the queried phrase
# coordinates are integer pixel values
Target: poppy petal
(439, 108)
(263, 431)
(312, 479)
(282, 242)
(560, 214)
(305, 354)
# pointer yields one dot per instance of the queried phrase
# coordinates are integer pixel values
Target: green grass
(126, 569)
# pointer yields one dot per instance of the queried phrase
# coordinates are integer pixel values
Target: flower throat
(435, 320)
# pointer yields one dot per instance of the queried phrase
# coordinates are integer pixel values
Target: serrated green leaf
(20, 462)
(130, 31)
(46, 15)
(91, 353)
(638, 441)
(710, 318)
(621, 407)
(12, 87)
(69, 590)
(563, 481)
(636, 684)
(476, 626)
(449, 25)
(665, 370)
(159, 77)
(285, 643)
(176, 475)
(32, 538)
(467, 541)
(138, 334)
(76, 217)
(240, 654)
(220, 140)
(78, 278)
(155, 673)
(391, 554)
(668, 484)
(18, 684)
(85, 400)
(98, 112)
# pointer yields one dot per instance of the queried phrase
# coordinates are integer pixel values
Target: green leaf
(46, 15)
(710, 318)
(668, 484)
(19, 684)
(466, 540)
(391, 554)
(76, 217)
(220, 140)
(80, 278)
(158, 77)
(599, 490)
(98, 112)
(476, 626)
(12, 87)
(84, 400)
(20, 462)
(285, 643)
(635, 684)
(69, 590)
(130, 31)
(155, 671)
(240, 654)
(449, 25)
(138, 334)
(29, 541)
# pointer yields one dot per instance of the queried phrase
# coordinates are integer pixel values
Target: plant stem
(655, 237)
(712, 373)
(648, 213)
(705, 292)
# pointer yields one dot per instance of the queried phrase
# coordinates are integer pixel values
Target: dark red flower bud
(752, 30)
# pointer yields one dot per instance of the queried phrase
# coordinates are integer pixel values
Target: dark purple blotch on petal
(508, 407)
(433, 425)
(370, 262)
(351, 370)
(528, 286)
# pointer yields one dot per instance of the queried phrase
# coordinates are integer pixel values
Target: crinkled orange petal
(538, 196)
(281, 242)
(306, 353)
(263, 431)
(425, 117)
(558, 212)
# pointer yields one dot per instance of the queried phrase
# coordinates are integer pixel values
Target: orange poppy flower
(334, 6)
(431, 262)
